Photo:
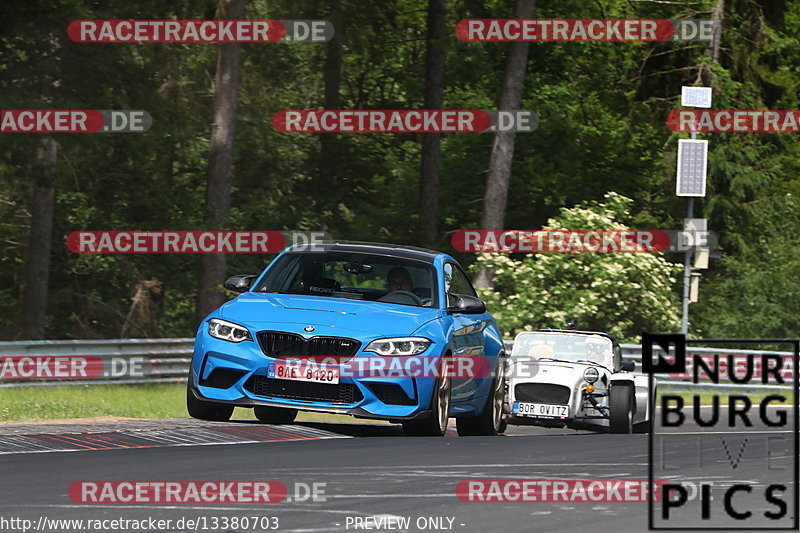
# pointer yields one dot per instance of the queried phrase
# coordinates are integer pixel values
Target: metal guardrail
(167, 361)
(157, 360)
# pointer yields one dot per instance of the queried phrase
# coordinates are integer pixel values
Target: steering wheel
(403, 294)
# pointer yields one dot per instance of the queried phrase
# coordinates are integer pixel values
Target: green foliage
(602, 108)
(621, 293)
(756, 293)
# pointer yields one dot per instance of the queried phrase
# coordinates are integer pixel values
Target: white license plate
(540, 410)
(303, 372)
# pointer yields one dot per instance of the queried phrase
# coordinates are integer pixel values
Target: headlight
(228, 331)
(591, 374)
(399, 346)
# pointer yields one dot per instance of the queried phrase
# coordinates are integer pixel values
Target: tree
(220, 160)
(621, 293)
(431, 142)
(496, 196)
(34, 303)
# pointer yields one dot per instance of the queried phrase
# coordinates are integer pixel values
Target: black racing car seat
(324, 286)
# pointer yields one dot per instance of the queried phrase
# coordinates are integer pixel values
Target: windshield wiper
(556, 360)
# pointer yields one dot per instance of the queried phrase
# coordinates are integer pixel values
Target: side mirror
(239, 283)
(467, 305)
(627, 365)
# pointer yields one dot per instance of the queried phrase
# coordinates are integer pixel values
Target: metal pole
(687, 269)
(687, 278)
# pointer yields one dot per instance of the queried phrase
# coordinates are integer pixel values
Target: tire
(490, 421)
(435, 424)
(275, 415)
(620, 398)
(217, 412)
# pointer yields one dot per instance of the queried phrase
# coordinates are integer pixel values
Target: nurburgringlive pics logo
(723, 445)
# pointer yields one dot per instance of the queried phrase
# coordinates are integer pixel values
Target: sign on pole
(692, 162)
(696, 96)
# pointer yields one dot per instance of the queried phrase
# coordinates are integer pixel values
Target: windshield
(354, 276)
(564, 346)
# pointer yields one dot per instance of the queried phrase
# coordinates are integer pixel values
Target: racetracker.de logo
(734, 121)
(177, 492)
(555, 490)
(176, 31)
(50, 367)
(560, 241)
(495, 30)
(74, 121)
(175, 242)
(387, 367)
(19, 367)
(381, 121)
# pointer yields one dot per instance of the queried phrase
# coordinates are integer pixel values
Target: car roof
(373, 248)
(578, 332)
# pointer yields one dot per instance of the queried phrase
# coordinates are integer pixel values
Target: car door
(467, 336)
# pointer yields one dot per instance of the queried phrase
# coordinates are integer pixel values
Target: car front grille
(542, 393)
(344, 393)
(289, 345)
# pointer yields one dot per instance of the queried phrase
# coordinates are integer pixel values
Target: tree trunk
(431, 142)
(717, 17)
(220, 160)
(496, 195)
(37, 267)
(329, 142)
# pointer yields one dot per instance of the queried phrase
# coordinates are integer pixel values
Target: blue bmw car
(370, 330)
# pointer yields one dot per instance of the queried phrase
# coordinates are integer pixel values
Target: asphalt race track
(368, 471)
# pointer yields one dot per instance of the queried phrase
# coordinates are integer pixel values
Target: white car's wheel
(620, 399)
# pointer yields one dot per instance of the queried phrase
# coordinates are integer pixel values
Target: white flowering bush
(621, 293)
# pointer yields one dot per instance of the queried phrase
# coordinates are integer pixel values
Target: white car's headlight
(399, 346)
(228, 331)
(591, 374)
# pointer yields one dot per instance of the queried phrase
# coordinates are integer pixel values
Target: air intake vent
(542, 393)
(222, 378)
(344, 393)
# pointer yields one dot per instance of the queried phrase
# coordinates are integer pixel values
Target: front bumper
(581, 409)
(246, 363)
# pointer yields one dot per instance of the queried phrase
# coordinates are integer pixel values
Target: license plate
(303, 372)
(540, 410)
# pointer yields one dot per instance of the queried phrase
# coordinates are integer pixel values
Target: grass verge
(34, 404)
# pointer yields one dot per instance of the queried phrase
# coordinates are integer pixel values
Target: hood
(331, 316)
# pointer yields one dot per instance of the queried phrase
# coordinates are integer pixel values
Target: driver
(596, 349)
(398, 279)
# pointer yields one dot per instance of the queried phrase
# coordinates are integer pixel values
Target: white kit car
(576, 379)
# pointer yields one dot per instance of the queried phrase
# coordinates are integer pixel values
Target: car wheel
(218, 412)
(490, 421)
(275, 415)
(435, 424)
(620, 401)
